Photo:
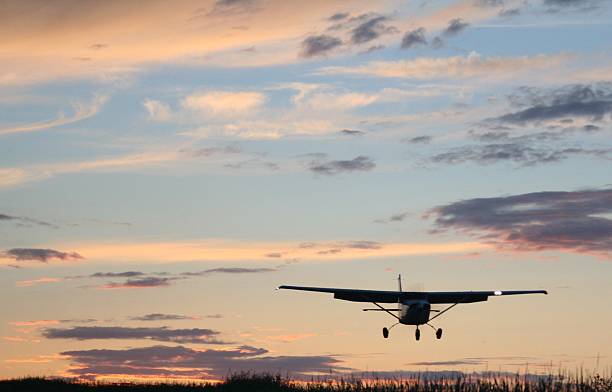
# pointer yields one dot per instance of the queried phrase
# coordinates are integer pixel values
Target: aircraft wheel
(439, 333)
(385, 333)
(417, 334)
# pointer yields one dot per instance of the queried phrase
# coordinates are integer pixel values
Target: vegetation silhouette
(249, 382)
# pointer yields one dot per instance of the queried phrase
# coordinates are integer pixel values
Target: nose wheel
(417, 334)
(385, 332)
(439, 333)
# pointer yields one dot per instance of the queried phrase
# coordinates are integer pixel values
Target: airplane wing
(434, 297)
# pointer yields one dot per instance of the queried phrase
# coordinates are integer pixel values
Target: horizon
(164, 168)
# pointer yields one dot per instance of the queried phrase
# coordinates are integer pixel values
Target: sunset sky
(164, 166)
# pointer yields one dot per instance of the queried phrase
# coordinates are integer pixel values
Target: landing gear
(385, 333)
(417, 334)
(439, 333)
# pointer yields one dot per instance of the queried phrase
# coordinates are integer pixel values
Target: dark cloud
(489, 3)
(373, 48)
(518, 152)
(252, 163)
(413, 38)
(209, 151)
(162, 317)
(590, 102)
(352, 132)
(579, 5)
(399, 217)
(338, 16)
(25, 221)
(437, 43)
(418, 140)
(274, 255)
(183, 362)
(370, 28)
(160, 334)
(229, 270)
(507, 13)
(571, 221)
(360, 244)
(141, 283)
(228, 7)
(318, 45)
(126, 274)
(41, 255)
(455, 26)
(360, 163)
(98, 46)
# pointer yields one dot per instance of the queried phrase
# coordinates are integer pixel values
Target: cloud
(575, 221)
(520, 152)
(140, 283)
(359, 163)
(186, 363)
(461, 67)
(16, 176)
(399, 217)
(126, 274)
(34, 323)
(580, 5)
(233, 7)
(352, 132)
(167, 317)
(338, 16)
(81, 110)
(455, 26)
(229, 270)
(224, 103)
(370, 28)
(507, 13)
(40, 255)
(34, 282)
(318, 45)
(425, 139)
(25, 221)
(232, 251)
(210, 151)
(414, 38)
(587, 102)
(160, 334)
(158, 111)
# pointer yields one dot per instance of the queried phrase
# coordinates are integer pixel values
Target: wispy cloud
(25, 221)
(233, 251)
(459, 67)
(81, 110)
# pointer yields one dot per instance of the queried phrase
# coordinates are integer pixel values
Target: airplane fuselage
(414, 312)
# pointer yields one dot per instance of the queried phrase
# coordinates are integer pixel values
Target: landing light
(498, 292)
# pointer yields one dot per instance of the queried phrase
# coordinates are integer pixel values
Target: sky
(165, 166)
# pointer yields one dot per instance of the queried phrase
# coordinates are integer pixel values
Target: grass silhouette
(248, 382)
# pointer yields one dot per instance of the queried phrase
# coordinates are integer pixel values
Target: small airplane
(413, 308)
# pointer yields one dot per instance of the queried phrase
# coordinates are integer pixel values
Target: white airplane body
(413, 308)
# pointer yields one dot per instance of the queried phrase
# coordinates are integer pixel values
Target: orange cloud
(32, 282)
(34, 323)
(227, 250)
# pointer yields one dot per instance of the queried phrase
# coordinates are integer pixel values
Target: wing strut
(447, 309)
(381, 308)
